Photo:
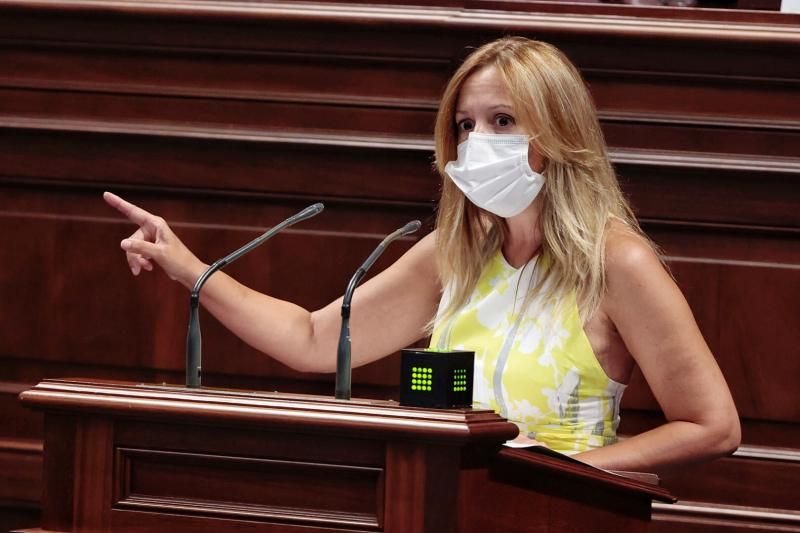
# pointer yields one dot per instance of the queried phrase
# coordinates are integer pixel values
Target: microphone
(343, 366)
(193, 339)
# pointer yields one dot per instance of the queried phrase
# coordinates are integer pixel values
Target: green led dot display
(459, 383)
(421, 378)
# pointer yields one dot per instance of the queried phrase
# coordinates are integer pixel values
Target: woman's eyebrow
(491, 108)
(497, 107)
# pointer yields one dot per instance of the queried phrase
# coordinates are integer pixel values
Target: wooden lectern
(145, 458)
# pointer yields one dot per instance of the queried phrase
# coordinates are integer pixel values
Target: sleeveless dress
(533, 365)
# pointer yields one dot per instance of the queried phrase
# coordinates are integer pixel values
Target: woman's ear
(536, 160)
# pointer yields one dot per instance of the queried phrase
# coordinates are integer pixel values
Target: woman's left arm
(654, 320)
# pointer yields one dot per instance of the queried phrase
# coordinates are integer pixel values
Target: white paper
(790, 6)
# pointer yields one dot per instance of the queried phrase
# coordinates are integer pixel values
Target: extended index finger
(134, 213)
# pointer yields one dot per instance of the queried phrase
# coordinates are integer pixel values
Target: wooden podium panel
(135, 457)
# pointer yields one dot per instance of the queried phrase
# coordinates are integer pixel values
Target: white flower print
(525, 411)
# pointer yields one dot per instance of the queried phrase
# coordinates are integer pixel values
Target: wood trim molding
(316, 54)
(724, 31)
(371, 418)
(21, 446)
(702, 121)
(195, 225)
(682, 76)
(308, 98)
(247, 512)
(619, 156)
(717, 227)
(634, 10)
(687, 511)
(699, 160)
(151, 129)
(769, 453)
(730, 262)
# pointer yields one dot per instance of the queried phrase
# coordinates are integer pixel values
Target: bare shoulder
(627, 250)
(631, 260)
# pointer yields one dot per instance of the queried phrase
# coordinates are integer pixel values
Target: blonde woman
(537, 264)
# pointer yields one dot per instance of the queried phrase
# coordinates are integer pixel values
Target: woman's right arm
(388, 312)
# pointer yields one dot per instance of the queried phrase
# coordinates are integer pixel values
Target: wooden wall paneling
(220, 26)
(758, 316)
(243, 211)
(761, 477)
(21, 463)
(764, 142)
(712, 97)
(698, 58)
(745, 307)
(216, 90)
(740, 282)
(743, 311)
(205, 116)
(16, 515)
(25, 424)
(725, 242)
(754, 432)
(214, 225)
(314, 26)
(285, 268)
(719, 190)
(20, 460)
(246, 74)
(336, 168)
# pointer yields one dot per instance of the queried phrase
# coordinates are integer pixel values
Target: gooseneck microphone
(193, 339)
(343, 365)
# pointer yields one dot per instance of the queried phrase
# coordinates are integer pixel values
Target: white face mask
(492, 170)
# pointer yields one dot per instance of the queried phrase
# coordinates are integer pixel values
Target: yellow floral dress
(534, 366)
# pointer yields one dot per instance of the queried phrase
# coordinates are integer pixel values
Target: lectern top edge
(275, 411)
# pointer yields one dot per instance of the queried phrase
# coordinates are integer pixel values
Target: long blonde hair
(581, 192)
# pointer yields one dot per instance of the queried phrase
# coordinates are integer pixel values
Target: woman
(537, 264)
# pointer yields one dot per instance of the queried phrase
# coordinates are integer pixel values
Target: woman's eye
(504, 121)
(466, 125)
